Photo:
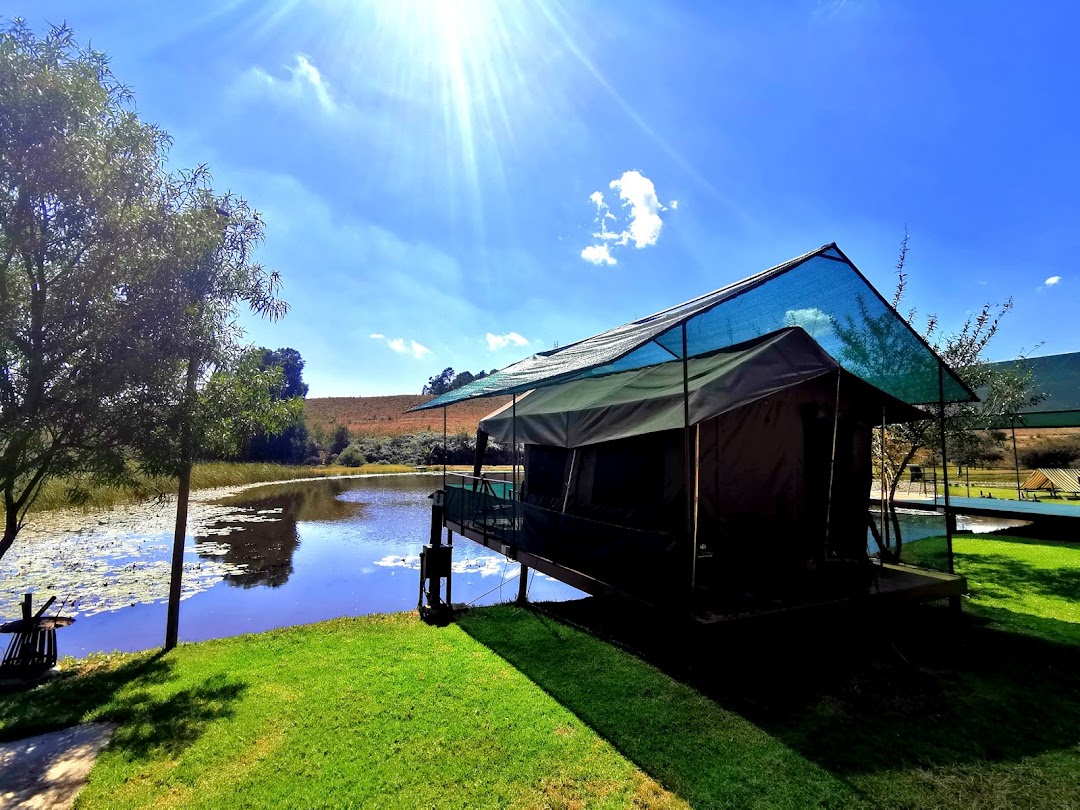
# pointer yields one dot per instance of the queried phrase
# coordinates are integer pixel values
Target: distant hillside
(385, 416)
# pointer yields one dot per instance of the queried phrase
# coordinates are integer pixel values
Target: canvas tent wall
(763, 415)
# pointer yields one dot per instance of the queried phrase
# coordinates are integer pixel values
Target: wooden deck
(894, 584)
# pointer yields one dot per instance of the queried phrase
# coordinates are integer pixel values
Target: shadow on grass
(135, 694)
(854, 692)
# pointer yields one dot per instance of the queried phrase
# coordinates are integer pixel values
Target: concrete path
(49, 770)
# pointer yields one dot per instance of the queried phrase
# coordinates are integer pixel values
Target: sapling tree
(870, 340)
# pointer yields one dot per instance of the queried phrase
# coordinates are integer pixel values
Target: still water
(273, 556)
(279, 555)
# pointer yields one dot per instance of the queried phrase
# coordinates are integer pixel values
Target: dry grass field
(385, 416)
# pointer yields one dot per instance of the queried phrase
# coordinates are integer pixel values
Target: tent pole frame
(444, 450)
(954, 601)
(1016, 459)
(881, 492)
(687, 468)
(513, 430)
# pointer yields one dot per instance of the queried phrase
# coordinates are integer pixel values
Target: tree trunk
(899, 545)
(172, 623)
(11, 529)
(183, 490)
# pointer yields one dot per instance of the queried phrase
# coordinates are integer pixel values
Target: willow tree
(83, 227)
(119, 286)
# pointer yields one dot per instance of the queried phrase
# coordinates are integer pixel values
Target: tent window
(630, 472)
(546, 471)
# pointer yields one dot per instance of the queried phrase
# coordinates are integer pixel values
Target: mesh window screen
(821, 291)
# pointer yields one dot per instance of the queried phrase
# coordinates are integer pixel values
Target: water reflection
(257, 544)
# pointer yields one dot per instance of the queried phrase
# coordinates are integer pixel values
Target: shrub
(1053, 452)
(351, 456)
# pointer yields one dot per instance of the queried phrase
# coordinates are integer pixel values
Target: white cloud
(673, 204)
(1050, 282)
(817, 323)
(598, 254)
(496, 342)
(376, 336)
(304, 81)
(643, 223)
(402, 346)
(638, 192)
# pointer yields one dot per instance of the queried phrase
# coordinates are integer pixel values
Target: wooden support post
(523, 585)
(832, 467)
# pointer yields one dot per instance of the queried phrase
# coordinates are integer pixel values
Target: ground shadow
(150, 717)
(855, 692)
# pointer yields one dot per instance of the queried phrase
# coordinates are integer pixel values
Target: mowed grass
(57, 493)
(381, 711)
(1019, 583)
(512, 707)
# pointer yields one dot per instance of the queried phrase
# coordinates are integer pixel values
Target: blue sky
(475, 180)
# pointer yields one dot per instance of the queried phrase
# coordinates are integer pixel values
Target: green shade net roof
(1057, 378)
(821, 291)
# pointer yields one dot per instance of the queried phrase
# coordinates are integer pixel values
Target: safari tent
(719, 450)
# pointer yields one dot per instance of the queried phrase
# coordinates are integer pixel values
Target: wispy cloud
(598, 254)
(496, 342)
(402, 346)
(304, 81)
(376, 336)
(1050, 283)
(642, 223)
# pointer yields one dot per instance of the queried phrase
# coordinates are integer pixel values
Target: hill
(386, 416)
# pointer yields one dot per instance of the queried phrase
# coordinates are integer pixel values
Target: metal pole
(444, 448)
(832, 466)
(513, 429)
(687, 470)
(1016, 458)
(881, 494)
(945, 474)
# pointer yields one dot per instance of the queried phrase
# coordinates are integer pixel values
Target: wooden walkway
(1035, 511)
(894, 584)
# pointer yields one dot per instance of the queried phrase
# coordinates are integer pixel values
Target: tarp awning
(1063, 480)
(821, 291)
(1056, 378)
(631, 403)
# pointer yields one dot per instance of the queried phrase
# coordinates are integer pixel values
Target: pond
(272, 556)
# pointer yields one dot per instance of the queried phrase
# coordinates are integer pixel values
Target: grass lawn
(1019, 584)
(512, 707)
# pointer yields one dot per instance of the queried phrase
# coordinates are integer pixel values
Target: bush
(1064, 452)
(351, 456)
(417, 449)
